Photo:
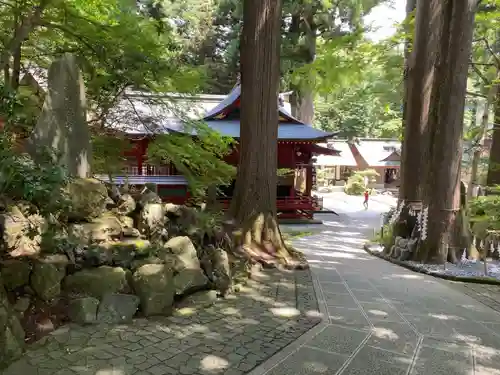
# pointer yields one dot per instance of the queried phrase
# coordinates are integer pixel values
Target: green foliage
(199, 159)
(38, 182)
(370, 173)
(385, 236)
(484, 213)
(363, 96)
(108, 154)
(356, 183)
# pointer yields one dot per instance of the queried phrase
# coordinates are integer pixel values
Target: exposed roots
(260, 237)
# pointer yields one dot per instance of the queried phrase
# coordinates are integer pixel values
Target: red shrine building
(297, 148)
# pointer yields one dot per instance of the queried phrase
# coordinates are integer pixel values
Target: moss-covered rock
(97, 282)
(88, 198)
(153, 283)
(180, 254)
(47, 276)
(16, 273)
(83, 310)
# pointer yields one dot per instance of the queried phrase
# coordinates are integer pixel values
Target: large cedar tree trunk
(442, 182)
(254, 203)
(410, 7)
(303, 94)
(418, 92)
(494, 162)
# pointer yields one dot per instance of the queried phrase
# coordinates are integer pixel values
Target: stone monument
(62, 126)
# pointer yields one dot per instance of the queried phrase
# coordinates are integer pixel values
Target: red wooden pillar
(294, 166)
(141, 148)
(308, 180)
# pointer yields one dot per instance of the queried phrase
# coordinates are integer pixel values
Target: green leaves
(199, 159)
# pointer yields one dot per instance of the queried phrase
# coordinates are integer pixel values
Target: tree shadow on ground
(410, 320)
(230, 337)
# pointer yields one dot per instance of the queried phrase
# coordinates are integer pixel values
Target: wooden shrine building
(297, 146)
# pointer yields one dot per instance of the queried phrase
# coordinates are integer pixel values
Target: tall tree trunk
(493, 177)
(254, 203)
(442, 183)
(410, 7)
(303, 94)
(478, 151)
(420, 75)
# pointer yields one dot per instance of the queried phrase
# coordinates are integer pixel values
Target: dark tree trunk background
(420, 75)
(442, 182)
(254, 204)
(493, 177)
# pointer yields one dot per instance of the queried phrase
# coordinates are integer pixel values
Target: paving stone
(437, 362)
(371, 360)
(309, 361)
(347, 317)
(392, 336)
(338, 340)
(340, 300)
(364, 296)
(381, 312)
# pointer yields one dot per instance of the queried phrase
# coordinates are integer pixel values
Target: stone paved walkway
(230, 338)
(383, 319)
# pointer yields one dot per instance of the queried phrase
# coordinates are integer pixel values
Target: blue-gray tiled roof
(289, 131)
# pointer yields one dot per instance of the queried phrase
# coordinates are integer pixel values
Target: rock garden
(118, 254)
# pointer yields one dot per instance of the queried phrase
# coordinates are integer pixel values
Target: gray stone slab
(359, 284)
(363, 295)
(371, 360)
(340, 300)
(486, 360)
(432, 361)
(309, 361)
(381, 312)
(395, 337)
(324, 275)
(431, 326)
(352, 318)
(336, 288)
(339, 340)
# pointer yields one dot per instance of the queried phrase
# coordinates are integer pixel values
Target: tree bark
(254, 203)
(420, 75)
(442, 183)
(493, 177)
(410, 7)
(303, 94)
(476, 158)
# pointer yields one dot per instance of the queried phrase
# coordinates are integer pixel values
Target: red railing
(291, 203)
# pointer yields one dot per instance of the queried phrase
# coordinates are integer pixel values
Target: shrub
(355, 185)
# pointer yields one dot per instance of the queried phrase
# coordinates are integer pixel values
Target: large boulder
(15, 273)
(180, 254)
(97, 282)
(88, 198)
(126, 204)
(117, 308)
(20, 235)
(62, 125)
(11, 332)
(47, 276)
(148, 196)
(154, 285)
(83, 310)
(152, 220)
(123, 252)
(102, 228)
